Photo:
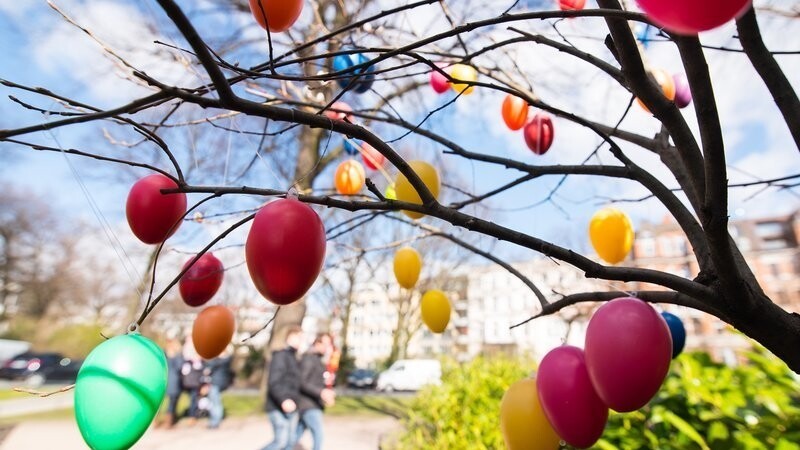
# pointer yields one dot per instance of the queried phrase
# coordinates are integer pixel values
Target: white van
(410, 375)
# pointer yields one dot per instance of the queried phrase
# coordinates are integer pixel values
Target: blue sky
(758, 141)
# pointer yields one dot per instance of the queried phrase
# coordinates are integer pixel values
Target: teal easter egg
(119, 390)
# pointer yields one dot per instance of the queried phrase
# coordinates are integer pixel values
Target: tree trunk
(773, 327)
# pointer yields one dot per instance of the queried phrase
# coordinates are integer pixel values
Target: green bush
(75, 341)
(462, 413)
(702, 405)
(707, 405)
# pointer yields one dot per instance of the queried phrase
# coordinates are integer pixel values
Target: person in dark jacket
(220, 378)
(283, 391)
(314, 395)
(174, 363)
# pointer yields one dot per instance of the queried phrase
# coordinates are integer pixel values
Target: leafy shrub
(702, 405)
(464, 411)
(75, 341)
(707, 405)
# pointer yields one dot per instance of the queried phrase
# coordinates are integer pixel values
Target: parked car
(362, 378)
(10, 348)
(36, 369)
(410, 375)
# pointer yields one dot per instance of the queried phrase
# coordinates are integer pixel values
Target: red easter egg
(153, 216)
(539, 133)
(515, 112)
(373, 159)
(691, 16)
(285, 250)
(568, 398)
(202, 280)
(439, 82)
(571, 5)
(337, 115)
(213, 330)
(628, 351)
(281, 14)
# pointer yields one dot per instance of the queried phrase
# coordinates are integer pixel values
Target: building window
(647, 247)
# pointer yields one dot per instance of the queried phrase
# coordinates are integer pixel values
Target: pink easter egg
(628, 351)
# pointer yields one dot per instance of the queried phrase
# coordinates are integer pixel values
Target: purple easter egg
(683, 95)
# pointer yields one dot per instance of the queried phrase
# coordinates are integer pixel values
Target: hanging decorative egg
(611, 234)
(118, 391)
(280, 15)
(683, 94)
(515, 112)
(407, 266)
(523, 421)
(202, 280)
(390, 193)
(690, 16)
(644, 33)
(361, 78)
(435, 310)
(568, 398)
(571, 5)
(350, 148)
(285, 250)
(373, 159)
(439, 82)
(213, 330)
(463, 72)
(153, 216)
(667, 84)
(406, 192)
(339, 111)
(628, 351)
(350, 177)
(539, 133)
(677, 331)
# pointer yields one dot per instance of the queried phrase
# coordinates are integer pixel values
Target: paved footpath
(252, 433)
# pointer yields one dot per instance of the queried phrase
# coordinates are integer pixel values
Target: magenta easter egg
(539, 133)
(202, 280)
(692, 16)
(683, 95)
(628, 351)
(339, 111)
(568, 398)
(439, 82)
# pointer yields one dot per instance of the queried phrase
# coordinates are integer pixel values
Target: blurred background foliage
(702, 405)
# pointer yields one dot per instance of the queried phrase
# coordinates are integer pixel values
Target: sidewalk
(252, 433)
(32, 404)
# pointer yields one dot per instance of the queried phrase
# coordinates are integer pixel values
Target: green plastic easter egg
(119, 390)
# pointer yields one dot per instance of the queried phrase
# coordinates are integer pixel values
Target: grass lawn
(243, 405)
(8, 394)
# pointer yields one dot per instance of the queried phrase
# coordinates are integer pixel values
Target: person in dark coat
(314, 395)
(174, 363)
(283, 391)
(220, 378)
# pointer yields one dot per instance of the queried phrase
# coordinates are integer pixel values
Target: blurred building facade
(768, 244)
(487, 300)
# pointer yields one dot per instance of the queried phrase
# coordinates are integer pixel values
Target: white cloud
(127, 31)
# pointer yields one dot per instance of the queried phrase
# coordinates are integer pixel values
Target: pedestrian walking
(314, 395)
(174, 363)
(283, 391)
(220, 377)
(191, 378)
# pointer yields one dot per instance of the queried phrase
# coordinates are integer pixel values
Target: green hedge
(702, 405)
